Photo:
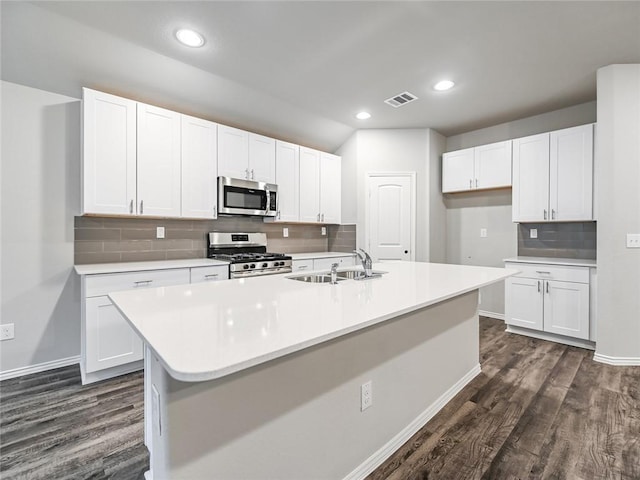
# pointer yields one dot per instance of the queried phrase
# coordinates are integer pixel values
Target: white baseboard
(375, 460)
(617, 361)
(497, 316)
(40, 367)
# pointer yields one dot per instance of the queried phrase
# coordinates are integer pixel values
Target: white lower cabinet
(209, 274)
(323, 263)
(549, 298)
(110, 347)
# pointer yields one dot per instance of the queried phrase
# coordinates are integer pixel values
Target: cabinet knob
(141, 207)
(215, 211)
(131, 206)
(470, 184)
(545, 214)
(553, 214)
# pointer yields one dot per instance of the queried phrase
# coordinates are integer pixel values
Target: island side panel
(299, 416)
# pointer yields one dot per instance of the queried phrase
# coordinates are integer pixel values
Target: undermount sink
(358, 274)
(320, 278)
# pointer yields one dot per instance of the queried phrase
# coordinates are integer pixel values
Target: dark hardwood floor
(537, 410)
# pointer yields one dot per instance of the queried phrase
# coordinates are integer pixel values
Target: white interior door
(391, 210)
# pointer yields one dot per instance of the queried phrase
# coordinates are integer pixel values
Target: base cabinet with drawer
(322, 263)
(549, 298)
(110, 347)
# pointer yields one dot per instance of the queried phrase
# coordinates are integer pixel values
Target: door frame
(412, 223)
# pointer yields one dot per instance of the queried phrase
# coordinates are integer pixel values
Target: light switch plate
(483, 233)
(533, 233)
(160, 232)
(633, 240)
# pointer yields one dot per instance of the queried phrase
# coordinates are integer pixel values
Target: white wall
(618, 206)
(467, 213)
(39, 198)
(389, 150)
(437, 207)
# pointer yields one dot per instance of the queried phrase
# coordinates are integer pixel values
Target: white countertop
(102, 268)
(572, 262)
(208, 330)
(310, 255)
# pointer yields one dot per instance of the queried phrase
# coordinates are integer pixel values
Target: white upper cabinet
(158, 161)
(288, 181)
(109, 154)
(493, 165)
(571, 174)
(457, 170)
(262, 158)
(330, 188)
(199, 168)
(309, 185)
(233, 152)
(530, 195)
(553, 176)
(245, 155)
(483, 167)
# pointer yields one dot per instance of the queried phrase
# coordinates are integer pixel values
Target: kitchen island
(261, 377)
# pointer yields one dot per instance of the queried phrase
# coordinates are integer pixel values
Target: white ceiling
(302, 70)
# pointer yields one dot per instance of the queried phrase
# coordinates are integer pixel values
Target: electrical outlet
(483, 233)
(366, 396)
(7, 331)
(633, 240)
(533, 233)
(285, 232)
(160, 232)
(324, 230)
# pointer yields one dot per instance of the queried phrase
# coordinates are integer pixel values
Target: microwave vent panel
(401, 99)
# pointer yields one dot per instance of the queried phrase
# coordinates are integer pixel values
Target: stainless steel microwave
(244, 197)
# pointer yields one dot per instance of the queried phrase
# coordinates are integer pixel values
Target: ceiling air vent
(401, 99)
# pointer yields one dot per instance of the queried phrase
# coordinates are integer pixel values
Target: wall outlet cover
(483, 233)
(7, 331)
(533, 233)
(366, 396)
(633, 240)
(160, 232)
(324, 230)
(285, 232)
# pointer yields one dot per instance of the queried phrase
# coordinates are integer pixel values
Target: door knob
(406, 251)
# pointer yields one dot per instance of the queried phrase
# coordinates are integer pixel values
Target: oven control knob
(279, 264)
(253, 265)
(265, 265)
(246, 267)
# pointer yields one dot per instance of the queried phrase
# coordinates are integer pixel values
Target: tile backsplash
(558, 240)
(122, 239)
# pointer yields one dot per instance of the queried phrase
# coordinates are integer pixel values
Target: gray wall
(618, 207)
(40, 195)
(467, 213)
(389, 150)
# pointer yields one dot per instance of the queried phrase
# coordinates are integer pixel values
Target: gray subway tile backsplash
(121, 239)
(558, 240)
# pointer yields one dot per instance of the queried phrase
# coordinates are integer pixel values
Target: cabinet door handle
(215, 211)
(302, 267)
(252, 175)
(210, 276)
(476, 183)
(545, 214)
(547, 286)
(279, 217)
(246, 173)
(542, 272)
(470, 184)
(538, 286)
(318, 218)
(141, 207)
(131, 206)
(322, 217)
(143, 282)
(553, 214)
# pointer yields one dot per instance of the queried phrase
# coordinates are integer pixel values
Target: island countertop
(205, 331)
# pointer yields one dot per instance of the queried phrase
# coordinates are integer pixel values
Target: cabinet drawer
(209, 274)
(551, 272)
(302, 265)
(96, 285)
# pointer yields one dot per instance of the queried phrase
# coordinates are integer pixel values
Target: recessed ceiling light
(190, 38)
(363, 115)
(443, 85)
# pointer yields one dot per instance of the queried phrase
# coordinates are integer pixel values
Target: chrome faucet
(334, 273)
(367, 263)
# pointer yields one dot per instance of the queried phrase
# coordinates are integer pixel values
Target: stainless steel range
(247, 254)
